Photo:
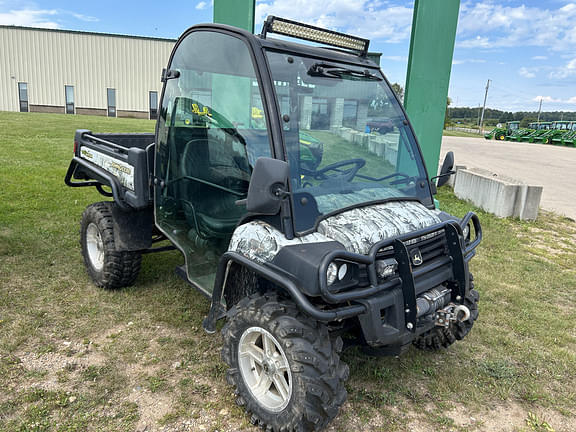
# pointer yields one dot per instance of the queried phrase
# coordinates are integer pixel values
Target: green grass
(463, 134)
(73, 357)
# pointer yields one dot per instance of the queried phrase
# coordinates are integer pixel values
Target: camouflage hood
(357, 230)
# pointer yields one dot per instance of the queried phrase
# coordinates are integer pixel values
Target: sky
(527, 48)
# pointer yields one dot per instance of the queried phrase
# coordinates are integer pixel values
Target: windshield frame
(258, 48)
(374, 69)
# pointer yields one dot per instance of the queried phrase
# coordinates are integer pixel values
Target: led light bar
(314, 34)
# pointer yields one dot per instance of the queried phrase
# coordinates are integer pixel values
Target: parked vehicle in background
(500, 133)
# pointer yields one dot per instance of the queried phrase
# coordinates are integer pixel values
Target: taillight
(75, 146)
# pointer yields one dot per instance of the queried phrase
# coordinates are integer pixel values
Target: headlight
(466, 231)
(386, 267)
(336, 272)
(342, 271)
(331, 273)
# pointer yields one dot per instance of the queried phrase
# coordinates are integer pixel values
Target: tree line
(497, 116)
(471, 116)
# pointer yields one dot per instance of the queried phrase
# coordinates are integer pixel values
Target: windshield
(347, 139)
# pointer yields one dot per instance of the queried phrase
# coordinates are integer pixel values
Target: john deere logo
(416, 257)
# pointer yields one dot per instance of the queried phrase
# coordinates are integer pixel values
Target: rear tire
(443, 337)
(107, 267)
(285, 369)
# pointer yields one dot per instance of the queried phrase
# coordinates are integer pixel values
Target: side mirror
(268, 186)
(447, 169)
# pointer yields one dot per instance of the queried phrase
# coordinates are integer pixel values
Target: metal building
(62, 71)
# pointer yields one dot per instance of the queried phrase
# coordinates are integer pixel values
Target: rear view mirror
(447, 169)
(268, 186)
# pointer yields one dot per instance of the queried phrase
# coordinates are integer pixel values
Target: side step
(215, 314)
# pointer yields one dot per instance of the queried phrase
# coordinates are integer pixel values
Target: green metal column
(235, 91)
(237, 13)
(429, 64)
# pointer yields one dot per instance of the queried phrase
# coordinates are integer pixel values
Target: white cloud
(566, 71)
(44, 18)
(82, 17)
(30, 18)
(365, 18)
(527, 72)
(477, 42)
(550, 99)
(202, 5)
(540, 58)
(459, 62)
(489, 24)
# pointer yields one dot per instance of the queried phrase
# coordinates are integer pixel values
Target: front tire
(107, 267)
(285, 368)
(443, 337)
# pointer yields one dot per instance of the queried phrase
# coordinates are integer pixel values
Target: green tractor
(500, 133)
(568, 138)
(517, 134)
(541, 130)
(559, 129)
(492, 133)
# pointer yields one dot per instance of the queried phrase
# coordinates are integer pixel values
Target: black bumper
(386, 310)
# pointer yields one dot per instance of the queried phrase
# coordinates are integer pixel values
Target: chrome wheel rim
(95, 246)
(265, 369)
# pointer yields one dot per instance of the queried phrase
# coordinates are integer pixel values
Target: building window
(69, 92)
(23, 96)
(153, 97)
(111, 102)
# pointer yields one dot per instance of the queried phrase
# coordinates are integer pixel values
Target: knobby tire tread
(318, 374)
(120, 268)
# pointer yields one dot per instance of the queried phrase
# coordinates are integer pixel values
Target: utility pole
(539, 110)
(484, 107)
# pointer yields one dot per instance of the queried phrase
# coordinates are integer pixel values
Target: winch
(437, 301)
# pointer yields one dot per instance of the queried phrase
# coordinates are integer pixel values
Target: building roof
(87, 33)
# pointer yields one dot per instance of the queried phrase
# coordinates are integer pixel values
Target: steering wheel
(343, 174)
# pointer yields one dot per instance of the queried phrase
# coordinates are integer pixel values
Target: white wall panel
(50, 59)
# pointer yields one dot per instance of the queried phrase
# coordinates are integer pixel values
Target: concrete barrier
(498, 194)
(452, 178)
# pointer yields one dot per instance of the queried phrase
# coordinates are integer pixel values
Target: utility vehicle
(306, 232)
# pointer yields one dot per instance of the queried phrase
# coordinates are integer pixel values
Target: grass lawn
(462, 134)
(76, 358)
